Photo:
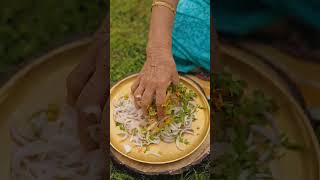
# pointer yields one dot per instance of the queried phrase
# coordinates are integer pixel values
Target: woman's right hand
(158, 72)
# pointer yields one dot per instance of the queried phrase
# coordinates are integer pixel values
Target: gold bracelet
(164, 4)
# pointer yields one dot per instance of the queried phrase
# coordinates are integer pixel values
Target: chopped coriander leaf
(134, 131)
(200, 107)
(152, 137)
(151, 112)
(121, 126)
(147, 149)
(186, 142)
(126, 97)
(180, 139)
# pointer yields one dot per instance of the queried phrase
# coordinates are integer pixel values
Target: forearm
(161, 24)
(159, 70)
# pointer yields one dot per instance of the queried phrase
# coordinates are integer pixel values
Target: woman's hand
(158, 72)
(87, 86)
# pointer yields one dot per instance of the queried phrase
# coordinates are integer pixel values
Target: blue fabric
(191, 35)
(244, 16)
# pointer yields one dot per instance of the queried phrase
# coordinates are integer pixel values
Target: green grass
(129, 32)
(200, 172)
(28, 27)
(129, 29)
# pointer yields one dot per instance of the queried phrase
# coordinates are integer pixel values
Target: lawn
(129, 29)
(28, 27)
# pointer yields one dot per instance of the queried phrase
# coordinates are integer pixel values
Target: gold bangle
(164, 4)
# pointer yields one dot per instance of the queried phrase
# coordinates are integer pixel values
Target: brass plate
(169, 151)
(291, 119)
(41, 82)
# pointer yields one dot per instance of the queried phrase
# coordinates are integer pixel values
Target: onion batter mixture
(146, 129)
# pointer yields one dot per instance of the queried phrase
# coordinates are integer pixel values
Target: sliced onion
(151, 152)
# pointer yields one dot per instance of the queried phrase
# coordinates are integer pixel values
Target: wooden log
(176, 167)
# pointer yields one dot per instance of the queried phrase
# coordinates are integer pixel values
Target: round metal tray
(168, 151)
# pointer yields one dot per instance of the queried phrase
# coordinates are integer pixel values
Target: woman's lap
(191, 35)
